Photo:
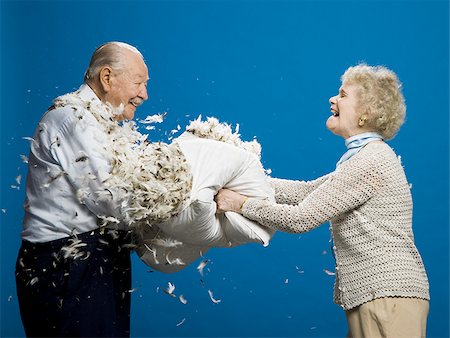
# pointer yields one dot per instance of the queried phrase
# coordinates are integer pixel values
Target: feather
(24, 158)
(170, 290)
(182, 299)
(329, 273)
(201, 266)
(215, 301)
(176, 261)
(182, 321)
(157, 118)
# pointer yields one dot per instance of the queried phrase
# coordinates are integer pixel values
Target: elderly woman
(381, 281)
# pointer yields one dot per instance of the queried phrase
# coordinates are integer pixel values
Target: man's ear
(105, 78)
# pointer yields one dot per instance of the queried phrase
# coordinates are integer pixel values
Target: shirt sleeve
(79, 146)
(292, 192)
(352, 184)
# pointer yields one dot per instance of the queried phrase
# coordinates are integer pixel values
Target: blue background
(270, 66)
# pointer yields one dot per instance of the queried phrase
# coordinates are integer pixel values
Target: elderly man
(73, 276)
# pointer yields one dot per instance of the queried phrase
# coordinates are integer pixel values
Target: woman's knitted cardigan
(368, 203)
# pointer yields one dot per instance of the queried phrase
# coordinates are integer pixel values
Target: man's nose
(143, 93)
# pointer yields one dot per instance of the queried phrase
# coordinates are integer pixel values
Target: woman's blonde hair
(380, 96)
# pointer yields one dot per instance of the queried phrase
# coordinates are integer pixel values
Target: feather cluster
(220, 131)
(153, 180)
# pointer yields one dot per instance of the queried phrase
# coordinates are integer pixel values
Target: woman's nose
(332, 99)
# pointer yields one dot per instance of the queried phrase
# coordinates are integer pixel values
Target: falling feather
(182, 321)
(176, 261)
(18, 179)
(153, 253)
(113, 233)
(166, 242)
(201, 266)
(29, 139)
(328, 272)
(157, 118)
(24, 158)
(298, 270)
(103, 241)
(174, 131)
(182, 299)
(170, 290)
(73, 249)
(215, 301)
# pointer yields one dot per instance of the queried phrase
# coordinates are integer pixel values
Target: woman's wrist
(244, 200)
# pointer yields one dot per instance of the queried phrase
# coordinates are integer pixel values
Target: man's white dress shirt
(67, 164)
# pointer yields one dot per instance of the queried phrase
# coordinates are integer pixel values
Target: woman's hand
(228, 200)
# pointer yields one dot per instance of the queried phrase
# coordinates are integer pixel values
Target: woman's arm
(293, 192)
(351, 185)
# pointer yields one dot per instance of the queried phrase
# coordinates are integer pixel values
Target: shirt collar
(356, 141)
(87, 94)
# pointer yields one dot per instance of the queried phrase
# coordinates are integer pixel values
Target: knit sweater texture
(368, 202)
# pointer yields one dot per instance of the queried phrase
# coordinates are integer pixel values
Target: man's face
(129, 87)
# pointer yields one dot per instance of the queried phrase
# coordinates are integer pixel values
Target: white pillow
(165, 254)
(214, 165)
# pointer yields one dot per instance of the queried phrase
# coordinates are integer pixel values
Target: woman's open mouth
(334, 112)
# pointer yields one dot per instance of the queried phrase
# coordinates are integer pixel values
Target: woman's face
(345, 112)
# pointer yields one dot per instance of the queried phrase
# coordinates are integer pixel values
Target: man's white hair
(109, 54)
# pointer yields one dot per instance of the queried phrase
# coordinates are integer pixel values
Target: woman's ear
(362, 119)
(105, 79)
